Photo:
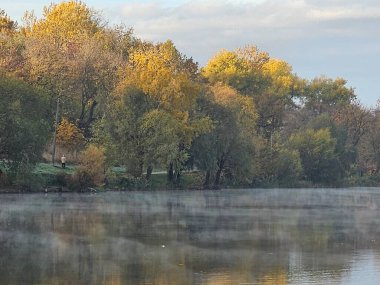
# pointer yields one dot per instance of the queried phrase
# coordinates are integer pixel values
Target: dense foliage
(243, 119)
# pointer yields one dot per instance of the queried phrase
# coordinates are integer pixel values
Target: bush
(91, 170)
(60, 179)
(81, 180)
(4, 179)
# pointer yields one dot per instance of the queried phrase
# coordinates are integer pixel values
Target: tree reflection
(228, 237)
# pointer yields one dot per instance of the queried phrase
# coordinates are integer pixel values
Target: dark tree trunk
(149, 171)
(170, 173)
(140, 170)
(218, 173)
(90, 117)
(85, 121)
(206, 183)
(177, 177)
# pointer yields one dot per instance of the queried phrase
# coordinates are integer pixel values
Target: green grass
(48, 168)
(189, 180)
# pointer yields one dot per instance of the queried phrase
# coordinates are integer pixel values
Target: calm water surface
(271, 236)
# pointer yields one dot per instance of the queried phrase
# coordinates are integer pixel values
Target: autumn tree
(7, 26)
(69, 135)
(170, 79)
(240, 69)
(71, 54)
(91, 169)
(11, 45)
(270, 82)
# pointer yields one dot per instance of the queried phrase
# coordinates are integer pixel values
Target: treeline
(243, 119)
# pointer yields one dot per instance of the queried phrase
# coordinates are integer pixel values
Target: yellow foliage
(224, 65)
(65, 23)
(69, 135)
(242, 106)
(228, 66)
(7, 26)
(280, 73)
(164, 74)
(92, 161)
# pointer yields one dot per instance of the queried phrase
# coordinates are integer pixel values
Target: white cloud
(332, 37)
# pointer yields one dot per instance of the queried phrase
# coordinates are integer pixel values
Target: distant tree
(326, 95)
(228, 147)
(24, 125)
(170, 79)
(318, 155)
(73, 56)
(69, 135)
(138, 135)
(240, 69)
(7, 26)
(91, 169)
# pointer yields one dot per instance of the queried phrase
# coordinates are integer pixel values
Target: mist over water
(257, 236)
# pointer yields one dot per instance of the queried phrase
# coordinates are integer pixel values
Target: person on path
(63, 160)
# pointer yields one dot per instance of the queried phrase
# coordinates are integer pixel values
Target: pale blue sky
(329, 37)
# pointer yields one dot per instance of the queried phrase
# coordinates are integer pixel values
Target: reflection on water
(271, 236)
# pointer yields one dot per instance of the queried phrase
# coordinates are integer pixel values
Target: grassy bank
(49, 178)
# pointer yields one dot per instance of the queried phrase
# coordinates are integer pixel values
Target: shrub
(91, 170)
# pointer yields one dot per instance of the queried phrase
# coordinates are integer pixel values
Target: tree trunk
(85, 121)
(90, 117)
(206, 183)
(149, 171)
(218, 173)
(170, 173)
(177, 177)
(140, 170)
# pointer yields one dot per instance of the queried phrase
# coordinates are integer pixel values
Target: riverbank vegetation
(244, 119)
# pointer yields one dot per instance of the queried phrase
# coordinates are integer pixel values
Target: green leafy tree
(275, 164)
(24, 128)
(228, 147)
(138, 135)
(318, 156)
(326, 95)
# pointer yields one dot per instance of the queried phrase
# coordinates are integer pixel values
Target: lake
(257, 236)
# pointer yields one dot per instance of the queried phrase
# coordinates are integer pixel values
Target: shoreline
(95, 190)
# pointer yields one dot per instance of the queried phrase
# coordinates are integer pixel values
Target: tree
(318, 157)
(356, 119)
(270, 82)
(369, 145)
(138, 135)
(325, 95)
(73, 56)
(11, 45)
(228, 146)
(24, 128)
(69, 135)
(275, 163)
(7, 26)
(91, 169)
(278, 97)
(240, 69)
(171, 80)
